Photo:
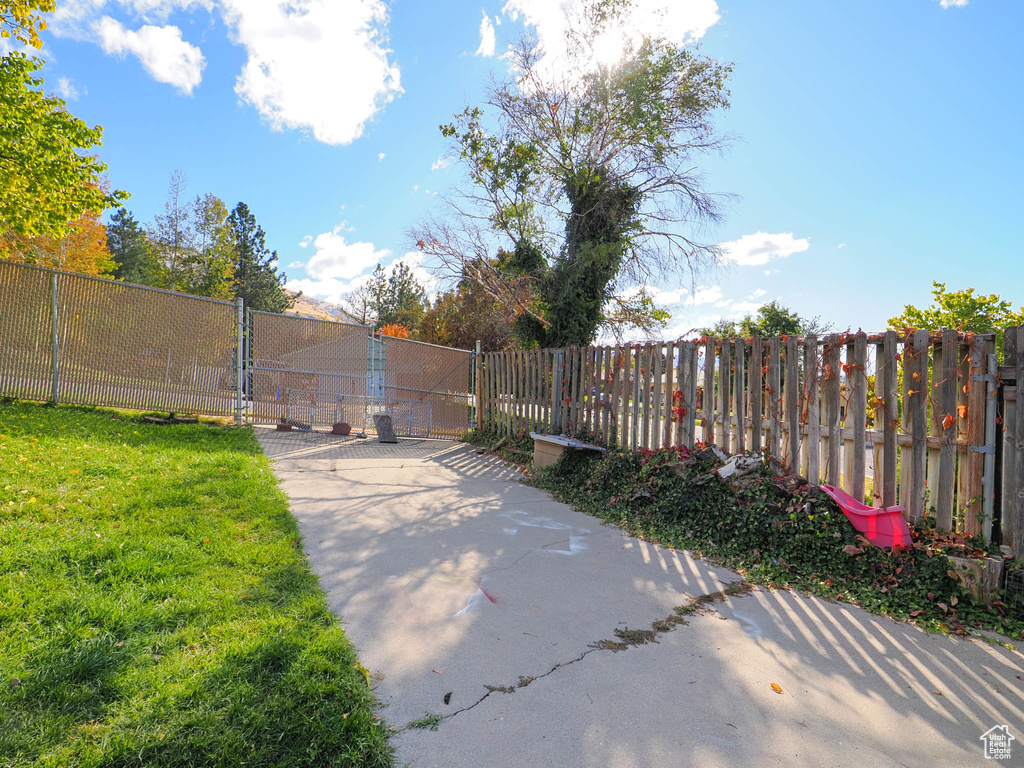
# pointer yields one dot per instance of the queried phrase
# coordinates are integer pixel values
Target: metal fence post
(239, 357)
(55, 391)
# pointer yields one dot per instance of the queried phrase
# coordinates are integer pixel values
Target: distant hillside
(318, 309)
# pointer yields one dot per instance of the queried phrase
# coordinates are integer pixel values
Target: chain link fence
(297, 353)
(435, 376)
(91, 341)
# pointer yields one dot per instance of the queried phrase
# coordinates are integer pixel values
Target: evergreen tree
(395, 299)
(257, 279)
(129, 247)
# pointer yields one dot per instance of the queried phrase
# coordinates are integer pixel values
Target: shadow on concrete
(453, 577)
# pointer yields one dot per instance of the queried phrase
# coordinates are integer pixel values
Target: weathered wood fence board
(1013, 440)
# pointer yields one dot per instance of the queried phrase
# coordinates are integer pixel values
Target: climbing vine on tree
(585, 182)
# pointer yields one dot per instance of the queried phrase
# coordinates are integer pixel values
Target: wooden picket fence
(892, 418)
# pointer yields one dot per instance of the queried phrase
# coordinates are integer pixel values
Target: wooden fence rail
(891, 418)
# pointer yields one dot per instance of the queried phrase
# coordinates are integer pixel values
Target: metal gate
(315, 373)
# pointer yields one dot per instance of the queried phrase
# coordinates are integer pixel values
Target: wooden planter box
(548, 449)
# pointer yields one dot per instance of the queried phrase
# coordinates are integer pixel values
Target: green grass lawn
(156, 607)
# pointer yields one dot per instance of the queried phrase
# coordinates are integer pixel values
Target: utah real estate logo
(997, 742)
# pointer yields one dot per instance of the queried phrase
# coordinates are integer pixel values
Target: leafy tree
(211, 266)
(587, 179)
(960, 310)
(395, 330)
(963, 311)
(723, 329)
(129, 247)
(82, 248)
(194, 243)
(22, 20)
(256, 278)
(636, 312)
(772, 319)
(174, 236)
(48, 179)
(465, 314)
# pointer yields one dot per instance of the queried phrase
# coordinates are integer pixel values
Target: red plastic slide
(882, 526)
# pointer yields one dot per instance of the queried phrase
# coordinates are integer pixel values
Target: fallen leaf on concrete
(448, 697)
(776, 687)
(937, 693)
(438, 671)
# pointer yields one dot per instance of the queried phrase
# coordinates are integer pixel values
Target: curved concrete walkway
(481, 601)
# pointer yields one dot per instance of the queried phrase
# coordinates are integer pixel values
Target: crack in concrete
(513, 564)
(521, 684)
(541, 548)
(698, 605)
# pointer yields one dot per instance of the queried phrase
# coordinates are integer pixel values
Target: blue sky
(879, 143)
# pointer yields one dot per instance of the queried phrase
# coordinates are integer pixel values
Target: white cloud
(163, 53)
(705, 295)
(760, 248)
(337, 259)
(380, 156)
(740, 309)
(676, 21)
(953, 3)
(842, 245)
(343, 267)
(441, 162)
(304, 242)
(321, 65)
(73, 18)
(333, 290)
(67, 90)
(486, 37)
(758, 293)
(296, 265)
(666, 298)
(678, 297)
